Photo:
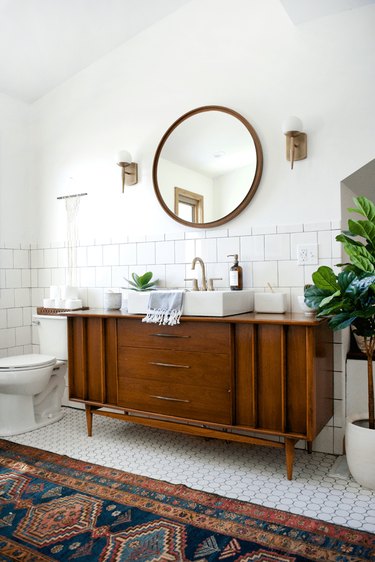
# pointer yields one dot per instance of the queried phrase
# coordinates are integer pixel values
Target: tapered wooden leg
(309, 447)
(289, 455)
(89, 419)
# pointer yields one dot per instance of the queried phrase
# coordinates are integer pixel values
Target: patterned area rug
(53, 507)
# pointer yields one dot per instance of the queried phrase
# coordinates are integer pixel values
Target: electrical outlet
(307, 254)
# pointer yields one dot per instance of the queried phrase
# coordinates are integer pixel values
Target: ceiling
(45, 42)
(301, 11)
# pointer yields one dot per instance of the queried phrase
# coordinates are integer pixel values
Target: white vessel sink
(200, 303)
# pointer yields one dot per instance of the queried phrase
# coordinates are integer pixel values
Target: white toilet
(32, 386)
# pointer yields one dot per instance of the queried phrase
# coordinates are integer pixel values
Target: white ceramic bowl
(306, 309)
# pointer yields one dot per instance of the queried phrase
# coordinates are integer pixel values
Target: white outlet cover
(307, 254)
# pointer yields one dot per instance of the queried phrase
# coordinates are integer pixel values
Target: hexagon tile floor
(249, 473)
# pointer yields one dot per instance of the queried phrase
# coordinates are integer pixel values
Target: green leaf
(324, 278)
(149, 285)
(362, 284)
(314, 296)
(327, 300)
(344, 279)
(343, 237)
(366, 229)
(341, 321)
(131, 283)
(364, 207)
(145, 278)
(360, 257)
(335, 307)
(141, 282)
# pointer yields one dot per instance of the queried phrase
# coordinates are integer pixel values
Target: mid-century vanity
(252, 378)
(264, 379)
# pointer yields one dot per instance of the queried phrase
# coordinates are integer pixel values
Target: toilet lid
(22, 362)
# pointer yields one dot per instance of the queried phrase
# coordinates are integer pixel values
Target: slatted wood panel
(284, 376)
(298, 359)
(92, 346)
(246, 402)
(77, 358)
(270, 376)
(322, 397)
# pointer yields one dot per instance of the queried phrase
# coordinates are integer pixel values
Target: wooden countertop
(245, 318)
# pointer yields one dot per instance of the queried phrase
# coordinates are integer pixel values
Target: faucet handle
(195, 283)
(211, 282)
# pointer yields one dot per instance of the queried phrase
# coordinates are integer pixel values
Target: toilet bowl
(32, 386)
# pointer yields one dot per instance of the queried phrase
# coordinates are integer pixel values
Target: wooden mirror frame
(252, 189)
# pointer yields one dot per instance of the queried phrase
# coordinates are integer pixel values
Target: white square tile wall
(266, 253)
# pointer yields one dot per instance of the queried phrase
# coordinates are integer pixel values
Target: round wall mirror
(207, 166)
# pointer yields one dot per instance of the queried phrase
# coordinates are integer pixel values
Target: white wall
(16, 201)
(231, 189)
(249, 57)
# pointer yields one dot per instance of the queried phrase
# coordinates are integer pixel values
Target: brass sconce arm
(296, 141)
(129, 169)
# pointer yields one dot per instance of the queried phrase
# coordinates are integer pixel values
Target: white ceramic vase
(360, 450)
(112, 300)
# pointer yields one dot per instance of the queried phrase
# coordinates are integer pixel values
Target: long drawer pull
(169, 399)
(169, 365)
(169, 336)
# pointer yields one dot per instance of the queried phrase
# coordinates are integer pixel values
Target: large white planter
(360, 451)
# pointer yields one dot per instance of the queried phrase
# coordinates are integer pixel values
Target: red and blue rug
(53, 507)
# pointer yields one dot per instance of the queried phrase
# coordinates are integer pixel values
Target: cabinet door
(273, 366)
(92, 360)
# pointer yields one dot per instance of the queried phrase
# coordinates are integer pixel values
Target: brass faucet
(201, 263)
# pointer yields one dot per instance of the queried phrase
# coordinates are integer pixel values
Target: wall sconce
(129, 171)
(296, 141)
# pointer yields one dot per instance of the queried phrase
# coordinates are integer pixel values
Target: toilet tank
(52, 333)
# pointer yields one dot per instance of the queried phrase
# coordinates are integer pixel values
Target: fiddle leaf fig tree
(348, 297)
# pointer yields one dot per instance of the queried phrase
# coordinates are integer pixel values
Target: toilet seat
(26, 362)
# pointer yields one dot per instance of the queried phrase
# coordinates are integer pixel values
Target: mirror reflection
(207, 166)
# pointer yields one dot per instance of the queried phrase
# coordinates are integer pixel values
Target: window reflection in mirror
(188, 205)
(216, 155)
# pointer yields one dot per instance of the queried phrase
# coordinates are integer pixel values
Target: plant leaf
(360, 257)
(131, 283)
(145, 278)
(366, 229)
(149, 285)
(364, 207)
(314, 296)
(344, 279)
(344, 237)
(324, 278)
(136, 279)
(341, 321)
(328, 299)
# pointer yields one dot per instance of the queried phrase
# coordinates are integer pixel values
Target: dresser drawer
(184, 367)
(189, 336)
(179, 400)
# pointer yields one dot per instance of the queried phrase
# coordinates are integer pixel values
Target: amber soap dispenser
(235, 274)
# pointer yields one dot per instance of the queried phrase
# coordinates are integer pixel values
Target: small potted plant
(139, 287)
(348, 299)
(142, 282)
